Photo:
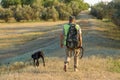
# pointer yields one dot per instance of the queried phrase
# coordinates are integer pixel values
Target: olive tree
(8, 3)
(5, 14)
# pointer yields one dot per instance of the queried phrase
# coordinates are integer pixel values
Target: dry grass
(93, 68)
(13, 34)
(10, 40)
(109, 29)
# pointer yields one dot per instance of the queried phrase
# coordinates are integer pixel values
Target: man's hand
(61, 40)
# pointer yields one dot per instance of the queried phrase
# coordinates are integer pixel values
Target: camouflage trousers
(69, 53)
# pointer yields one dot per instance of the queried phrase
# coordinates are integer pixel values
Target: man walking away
(71, 38)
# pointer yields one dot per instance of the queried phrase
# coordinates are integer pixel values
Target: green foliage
(67, 1)
(41, 9)
(48, 3)
(64, 11)
(37, 3)
(50, 13)
(97, 10)
(27, 2)
(8, 3)
(75, 7)
(116, 15)
(116, 18)
(18, 14)
(5, 14)
(110, 11)
(54, 14)
(26, 13)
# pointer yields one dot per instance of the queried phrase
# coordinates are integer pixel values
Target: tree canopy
(110, 11)
(41, 9)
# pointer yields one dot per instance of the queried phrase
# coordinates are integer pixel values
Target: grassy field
(112, 31)
(92, 68)
(11, 35)
(11, 40)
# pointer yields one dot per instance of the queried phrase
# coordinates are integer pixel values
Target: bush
(55, 14)
(110, 11)
(8, 3)
(98, 10)
(64, 11)
(97, 13)
(50, 13)
(18, 14)
(40, 9)
(75, 8)
(116, 18)
(116, 15)
(44, 14)
(27, 13)
(5, 14)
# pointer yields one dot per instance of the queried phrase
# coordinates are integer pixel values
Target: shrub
(40, 9)
(64, 11)
(75, 8)
(50, 13)
(8, 3)
(44, 14)
(26, 13)
(55, 14)
(18, 15)
(116, 18)
(98, 10)
(5, 14)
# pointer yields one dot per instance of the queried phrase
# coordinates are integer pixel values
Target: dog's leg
(43, 60)
(34, 62)
(37, 63)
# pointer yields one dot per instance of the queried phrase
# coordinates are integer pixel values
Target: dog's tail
(82, 52)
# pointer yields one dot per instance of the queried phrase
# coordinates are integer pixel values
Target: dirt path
(93, 41)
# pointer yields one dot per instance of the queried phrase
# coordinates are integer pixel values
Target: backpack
(72, 40)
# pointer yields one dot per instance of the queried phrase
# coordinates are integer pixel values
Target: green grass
(106, 20)
(114, 65)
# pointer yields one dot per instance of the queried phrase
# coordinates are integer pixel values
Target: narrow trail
(93, 42)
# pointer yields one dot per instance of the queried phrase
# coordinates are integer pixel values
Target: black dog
(36, 57)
